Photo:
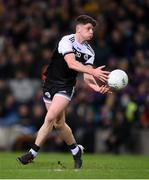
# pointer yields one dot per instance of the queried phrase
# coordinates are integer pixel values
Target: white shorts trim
(47, 100)
(62, 95)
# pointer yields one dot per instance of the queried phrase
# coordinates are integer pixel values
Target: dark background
(29, 31)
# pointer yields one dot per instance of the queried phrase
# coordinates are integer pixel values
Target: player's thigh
(57, 106)
(47, 105)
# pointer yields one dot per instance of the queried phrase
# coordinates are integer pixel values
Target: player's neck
(79, 38)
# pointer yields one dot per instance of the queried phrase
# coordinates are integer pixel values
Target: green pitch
(60, 166)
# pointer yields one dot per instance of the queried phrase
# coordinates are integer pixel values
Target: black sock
(72, 146)
(35, 147)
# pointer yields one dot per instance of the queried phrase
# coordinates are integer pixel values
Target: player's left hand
(103, 89)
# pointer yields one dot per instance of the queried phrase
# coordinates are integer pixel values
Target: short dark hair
(85, 19)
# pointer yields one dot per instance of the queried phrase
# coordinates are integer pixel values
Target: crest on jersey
(47, 94)
(86, 56)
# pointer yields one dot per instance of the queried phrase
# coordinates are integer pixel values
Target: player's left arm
(94, 84)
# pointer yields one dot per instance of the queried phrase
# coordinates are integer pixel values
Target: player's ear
(78, 28)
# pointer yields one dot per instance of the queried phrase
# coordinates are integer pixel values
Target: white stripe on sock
(34, 153)
(75, 150)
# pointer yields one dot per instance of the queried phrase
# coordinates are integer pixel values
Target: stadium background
(117, 123)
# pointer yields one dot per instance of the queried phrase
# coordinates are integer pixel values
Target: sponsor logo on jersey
(78, 48)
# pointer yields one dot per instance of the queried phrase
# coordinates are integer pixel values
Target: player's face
(86, 31)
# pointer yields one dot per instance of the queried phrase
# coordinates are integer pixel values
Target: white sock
(34, 153)
(75, 150)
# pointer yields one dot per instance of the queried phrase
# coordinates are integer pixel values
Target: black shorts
(50, 92)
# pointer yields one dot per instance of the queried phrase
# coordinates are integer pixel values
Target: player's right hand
(101, 74)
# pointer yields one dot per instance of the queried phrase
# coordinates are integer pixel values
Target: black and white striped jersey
(58, 73)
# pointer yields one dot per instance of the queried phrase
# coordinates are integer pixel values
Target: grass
(95, 166)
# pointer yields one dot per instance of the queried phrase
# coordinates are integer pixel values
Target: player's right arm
(65, 48)
(77, 66)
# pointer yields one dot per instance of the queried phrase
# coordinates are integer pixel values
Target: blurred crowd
(29, 31)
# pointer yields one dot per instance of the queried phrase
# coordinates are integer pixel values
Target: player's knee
(53, 114)
(48, 123)
(59, 126)
(50, 117)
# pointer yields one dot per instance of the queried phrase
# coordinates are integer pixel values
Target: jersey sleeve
(65, 46)
(90, 55)
(90, 61)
